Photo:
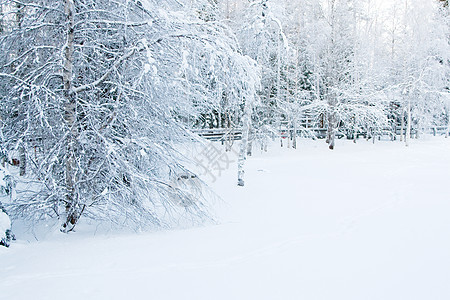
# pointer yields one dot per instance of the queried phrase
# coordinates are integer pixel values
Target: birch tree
(101, 85)
(419, 64)
(260, 32)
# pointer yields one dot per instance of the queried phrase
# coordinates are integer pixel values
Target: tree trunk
(408, 125)
(22, 160)
(448, 124)
(244, 142)
(281, 132)
(279, 86)
(294, 136)
(402, 122)
(331, 130)
(229, 137)
(288, 132)
(1, 19)
(71, 206)
(250, 143)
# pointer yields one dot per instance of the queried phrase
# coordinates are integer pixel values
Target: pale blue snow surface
(361, 222)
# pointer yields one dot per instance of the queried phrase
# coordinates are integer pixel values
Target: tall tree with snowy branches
(92, 90)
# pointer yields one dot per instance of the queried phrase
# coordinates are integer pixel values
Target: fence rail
(222, 134)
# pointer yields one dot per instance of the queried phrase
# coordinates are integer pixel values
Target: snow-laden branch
(111, 22)
(116, 64)
(34, 5)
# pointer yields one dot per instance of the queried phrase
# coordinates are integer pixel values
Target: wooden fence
(223, 134)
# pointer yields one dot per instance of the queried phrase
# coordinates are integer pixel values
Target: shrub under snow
(6, 185)
(5, 228)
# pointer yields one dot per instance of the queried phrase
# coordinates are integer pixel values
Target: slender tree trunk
(281, 131)
(279, 84)
(447, 130)
(294, 136)
(288, 133)
(244, 142)
(331, 130)
(229, 138)
(408, 125)
(331, 79)
(71, 206)
(402, 122)
(19, 15)
(1, 19)
(250, 142)
(22, 160)
(2, 155)
(448, 124)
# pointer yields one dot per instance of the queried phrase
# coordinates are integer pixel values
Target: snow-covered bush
(5, 228)
(7, 184)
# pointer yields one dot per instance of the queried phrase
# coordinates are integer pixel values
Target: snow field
(361, 222)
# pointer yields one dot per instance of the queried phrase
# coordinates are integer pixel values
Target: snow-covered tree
(417, 76)
(93, 91)
(259, 29)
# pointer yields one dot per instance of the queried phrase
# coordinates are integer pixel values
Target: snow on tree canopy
(105, 82)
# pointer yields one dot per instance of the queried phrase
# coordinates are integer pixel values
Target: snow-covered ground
(361, 222)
